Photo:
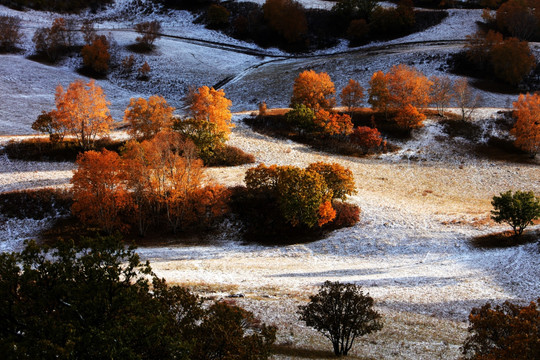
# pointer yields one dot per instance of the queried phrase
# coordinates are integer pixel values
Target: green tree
(77, 302)
(517, 209)
(96, 300)
(341, 312)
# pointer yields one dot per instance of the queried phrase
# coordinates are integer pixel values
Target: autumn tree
(339, 179)
(217, 16)
(341, 312)
(287, 18)
(441, 92)
(517, 209)
(302, 118)
(99, 190)
(88, 31)
(52, 41)
(512, 60)
(507, 331)
(314, 90)
(367, 138)
(466, 101)
(403, 90)
(10, 32)
(519, 18)
(211, 106)
(149, 31)
(409, 90)
(303, 195)
(526, 129)
(352, 95)
(96, 54)
(379, 95)
(355, 9)
(83, 110)
(148, 117)
(331, 123)
(509, 59)
(143, 71)
(47, 124)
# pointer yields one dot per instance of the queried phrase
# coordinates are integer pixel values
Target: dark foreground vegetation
(98, 300)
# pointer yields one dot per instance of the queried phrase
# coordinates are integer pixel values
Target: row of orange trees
(401, 94)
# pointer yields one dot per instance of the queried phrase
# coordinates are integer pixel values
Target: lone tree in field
(517, 210)
(341, 312)
(506, 331)
(149, 31)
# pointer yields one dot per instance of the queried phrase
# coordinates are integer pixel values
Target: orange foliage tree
(379, 95)
(338, 179)
(366, 137)
(527, 127)
(83, 110)
(352, 95)
(148, 117)
(409, 90)
(519, 18)
(506, 331)
(210, 105)
(96, 54)
(402, 90)
(99, 190)
(287, 18)
(314, 90)
(331, 123)
(512, 60)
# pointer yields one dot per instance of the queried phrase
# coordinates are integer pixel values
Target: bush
(149, 32)
(10, 33)
(36, 204)
(347, 215)
(507, 331)
(366, 137)
(227, 155)
(517, 210)
(341, 312)
(302, 118)
(96, 55)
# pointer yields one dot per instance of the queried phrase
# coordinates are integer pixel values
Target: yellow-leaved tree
(148, 117)
(210, 105)
(83, 110)
(314, 90)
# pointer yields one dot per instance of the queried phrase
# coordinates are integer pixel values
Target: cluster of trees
(401, 95)
(304, 196)
(63, 37)
(287, 24)
(97, 300)
(510, 59)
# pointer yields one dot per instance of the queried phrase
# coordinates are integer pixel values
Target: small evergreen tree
(517, 210)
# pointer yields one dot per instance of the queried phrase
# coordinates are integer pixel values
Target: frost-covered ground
(420, 205)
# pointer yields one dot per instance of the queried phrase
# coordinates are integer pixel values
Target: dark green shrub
(517, 209)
